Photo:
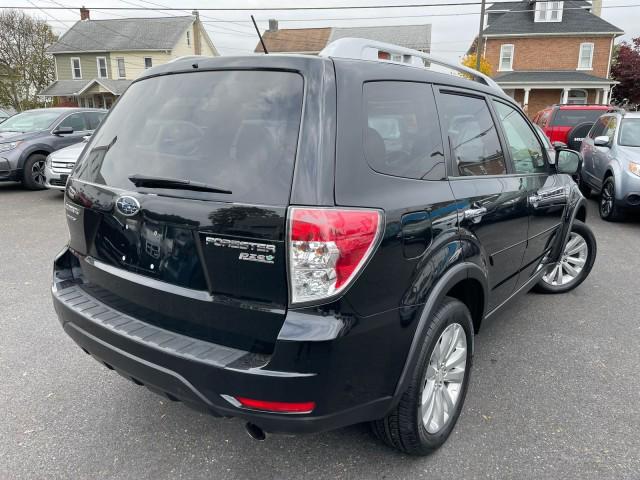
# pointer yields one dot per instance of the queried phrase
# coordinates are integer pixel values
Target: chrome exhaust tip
(255, 431)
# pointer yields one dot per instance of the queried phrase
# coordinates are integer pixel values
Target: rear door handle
(474, 214)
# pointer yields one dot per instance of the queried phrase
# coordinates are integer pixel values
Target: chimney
(273, 25)
(84, 13)
(197, 45)
(596, 7)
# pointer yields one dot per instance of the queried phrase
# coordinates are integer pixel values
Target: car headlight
(634, 168)
(5, 147)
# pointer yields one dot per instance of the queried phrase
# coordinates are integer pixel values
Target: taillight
(327, 249)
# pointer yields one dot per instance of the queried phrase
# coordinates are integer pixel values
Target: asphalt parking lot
(554, 391)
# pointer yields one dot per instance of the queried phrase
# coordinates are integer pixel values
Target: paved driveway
(555, 391)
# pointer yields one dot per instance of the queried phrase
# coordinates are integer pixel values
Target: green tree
(25, 66)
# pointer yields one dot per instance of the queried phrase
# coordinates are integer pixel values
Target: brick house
(96, 60)
(542, 52)
(311, 40)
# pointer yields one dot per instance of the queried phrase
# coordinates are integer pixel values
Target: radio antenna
(264, 47)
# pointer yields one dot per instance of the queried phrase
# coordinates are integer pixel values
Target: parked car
(309, 268)
(611, 167)
(60, 163)
(28, 137)
(4, 114)
(568, 124)
(551, 150)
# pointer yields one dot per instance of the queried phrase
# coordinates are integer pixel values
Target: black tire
(403, 428)
(592, 249)
(577, 134)
(607, 206)
(32, 180)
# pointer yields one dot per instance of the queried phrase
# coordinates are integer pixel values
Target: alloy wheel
(574, 258)
(444, 378)
(607, 199)
(37, 172)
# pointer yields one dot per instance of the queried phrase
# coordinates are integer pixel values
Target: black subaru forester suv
(312, 242)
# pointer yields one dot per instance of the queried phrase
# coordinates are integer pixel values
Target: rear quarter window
(236, 130)
(401, 131)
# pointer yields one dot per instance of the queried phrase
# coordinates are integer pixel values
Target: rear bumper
(201, 373)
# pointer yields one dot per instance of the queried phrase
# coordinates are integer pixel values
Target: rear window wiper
(175, 183)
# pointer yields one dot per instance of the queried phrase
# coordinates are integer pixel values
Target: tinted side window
(526, 151)
(94, 119)
(598, 127)
(472, 136)
(611, 127)
(75, 121)
(401, 131)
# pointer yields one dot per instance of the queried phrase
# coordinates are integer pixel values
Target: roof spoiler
(362, 49)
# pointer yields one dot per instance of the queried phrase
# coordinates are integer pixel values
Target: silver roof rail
(362, 49)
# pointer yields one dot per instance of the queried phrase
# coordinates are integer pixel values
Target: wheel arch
(464, 281)
(36, 149)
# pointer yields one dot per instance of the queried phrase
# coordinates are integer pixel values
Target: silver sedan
(59, 165)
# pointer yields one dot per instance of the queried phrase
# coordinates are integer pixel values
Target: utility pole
(480, 38)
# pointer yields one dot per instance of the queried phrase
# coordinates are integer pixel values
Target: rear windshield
(235, 130)
(571, 118)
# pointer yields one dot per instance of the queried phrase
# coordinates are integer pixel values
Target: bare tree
(25, 66)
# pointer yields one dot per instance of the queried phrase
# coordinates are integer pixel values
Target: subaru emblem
(128, 206)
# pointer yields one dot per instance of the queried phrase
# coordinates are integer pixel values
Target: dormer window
(548, 11)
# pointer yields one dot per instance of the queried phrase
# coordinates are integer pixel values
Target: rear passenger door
(544, 191)
(492, 214)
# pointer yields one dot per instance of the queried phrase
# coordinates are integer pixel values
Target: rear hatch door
(178, 206)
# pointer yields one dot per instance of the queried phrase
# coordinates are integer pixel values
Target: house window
(506, 58)
(577, 97)
(121, 71)
(148, 62)
(549, 11)
(76, 69)
(188, 38)
(585, 61)
(102, 67)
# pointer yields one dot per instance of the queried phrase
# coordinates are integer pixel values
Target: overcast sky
(454, 27)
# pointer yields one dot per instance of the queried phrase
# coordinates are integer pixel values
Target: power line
(339, 7)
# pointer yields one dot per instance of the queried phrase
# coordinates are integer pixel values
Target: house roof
(417, 37)
(295, 40)
(560, 77)
(315, 39)
(123, 34)
(519, 20)
(66, 88)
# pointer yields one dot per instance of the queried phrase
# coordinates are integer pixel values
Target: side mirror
(602, 141)
(559, 145)
(568, 161)
(63, 131)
